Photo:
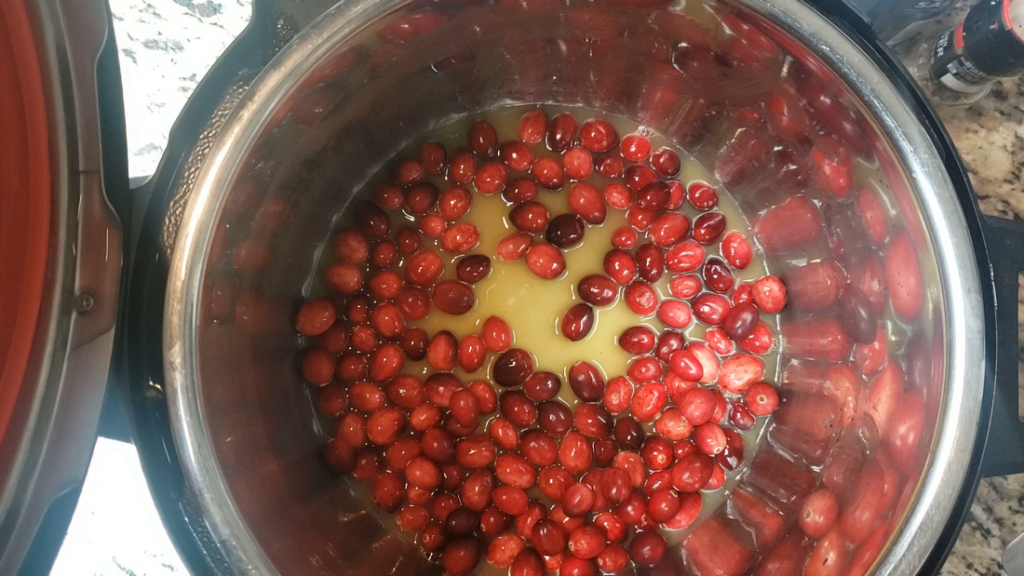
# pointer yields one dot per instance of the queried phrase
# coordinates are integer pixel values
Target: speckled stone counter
(990, 138)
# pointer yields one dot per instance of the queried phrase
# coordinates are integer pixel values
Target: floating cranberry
(609, 166)
(545, 261)
(629, 433)
(666, 162)
(565, 230)
(675, 314)
(685, 257)
(533, 127)
(512, 368)
(618, 395)
(587, 202)
(561, 132)
(315, 317)
(669, 229)
(578, 163)
(578, 500)
(770, 294)
(635, 147)
(702, 196)
(653, 196)
(708, 227)
(517, 155)
(641, 298)
(554, 417)
(650, 263)
(637, 340)
(473, 268)
(497, 335)
(462, 167)
(548, 173)
(598, 136)
(638, 176)
(577, 322)
(520, 190)
(617, 195)
(586, 382)
(372, 221)
(620, 266)
(529, 216)
(513, 246)
(483, 139)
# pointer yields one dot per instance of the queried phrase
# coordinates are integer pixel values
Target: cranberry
(613, 559)
(578, 163)
(517, 408)
(702, 196)
(598, 136)
(548, 173)
(443, 351)
(529, 216)
(711, 309)
(577, 322)
(740, 417)
(635, 147)
(545, 261)
(761, 399)
(497, 335)
(539, 448)
(617, 195)
(650, 263)
(421, 198)
(517, 155)
(708, 227)
(586, 382)
(675, 314)
(433, 538)
(561, 132)
(632, 509)
(672, 425)
(741, 321)
(460, 557)
(494, 522)
(648, 401)
(717, 276)
(638, 176)
(340, 455)
(554, 418)
(554, 482)
(575, 453)
(512, 368)
(587, 202)
(388, 195)
(685, 257)
(424, 268)
(459, 520)
(618, 395)
(819, 513)
(609, 166)
(483, 139)
(548, 538)
(520, 189)
(637, 340)
(709, 438)
(413, 518)
(533, 126)
(414, 344)
(697, 406)
(657, 453)
(453, 297)
(527, 563)
(474, 452)
(666, 162)
(372, 221)
(663, 505)
(641, 298)
(424, 416)
(645, 369)
(433, 158)
(578, 500)
(565, 230)
(343, 277)
(692, 472)
(624, 237)
(473, 268)
(648, 548)
(653, 196)
(503, 550)
(587, 542)
(620, 266)
(669, 229)
(504, 434)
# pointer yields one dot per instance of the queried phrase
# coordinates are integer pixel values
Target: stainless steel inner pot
(338, 102)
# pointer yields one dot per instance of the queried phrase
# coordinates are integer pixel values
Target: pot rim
(962, 311)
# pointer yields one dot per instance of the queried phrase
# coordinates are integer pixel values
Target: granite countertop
(167, 45)
(990, 138)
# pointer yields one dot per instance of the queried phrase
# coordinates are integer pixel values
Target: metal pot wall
(313, 127)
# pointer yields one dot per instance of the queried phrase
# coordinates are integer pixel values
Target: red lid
(24, 199)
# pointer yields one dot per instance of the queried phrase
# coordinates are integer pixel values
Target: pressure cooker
(125, 316)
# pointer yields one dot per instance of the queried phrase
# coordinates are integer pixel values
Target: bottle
(958, 67)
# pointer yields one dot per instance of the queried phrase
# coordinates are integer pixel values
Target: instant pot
(135, 312)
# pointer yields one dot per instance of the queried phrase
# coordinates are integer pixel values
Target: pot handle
(1004, 240)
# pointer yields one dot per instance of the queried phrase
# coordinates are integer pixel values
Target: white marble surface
(165, 48)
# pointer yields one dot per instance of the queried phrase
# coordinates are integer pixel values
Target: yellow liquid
(533, 307)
